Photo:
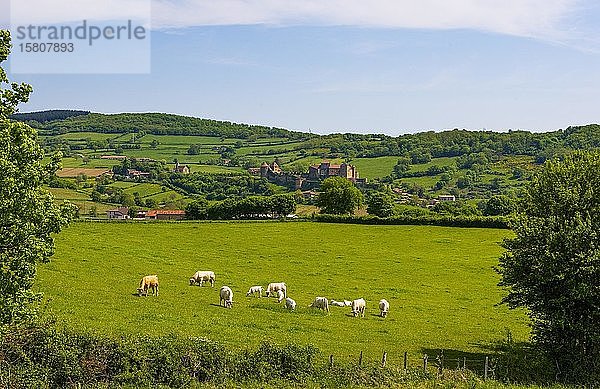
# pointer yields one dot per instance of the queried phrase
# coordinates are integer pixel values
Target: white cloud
(531, 18)
(542, 19)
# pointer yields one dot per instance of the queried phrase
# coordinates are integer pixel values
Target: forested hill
(157, 124)
(47, 116)
(452, 143)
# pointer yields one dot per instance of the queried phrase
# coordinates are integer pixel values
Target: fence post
(384, 359)
(464, 363)
(331, 360)
(405, 361)
(360, 359)
(441, 362)
(425, 363)
(485, 369)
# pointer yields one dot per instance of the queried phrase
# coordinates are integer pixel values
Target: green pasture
(215, 169)
(144, 189)
(439, 282)
(92, 163)
(187, 140)
(262, 149)
(426, 182)
(85, 136)
(124, 184)
(442, 161)
(68, 194)
(375, 167)
(163, 197)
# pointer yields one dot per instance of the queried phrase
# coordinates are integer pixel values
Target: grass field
(375, 167)
(439, 281)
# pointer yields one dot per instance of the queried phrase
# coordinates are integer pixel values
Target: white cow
(255, 290)
(358, 307)
(337, 303)
(201, 276)
(148, 282)
(321, 303)
(281, 295)
(275, 287)
(290, 304)
(384, 307)
(226, 296)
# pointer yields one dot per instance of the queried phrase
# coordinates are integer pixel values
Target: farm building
(118, 213)
(166, 214)
(132, 173)
(446, 198)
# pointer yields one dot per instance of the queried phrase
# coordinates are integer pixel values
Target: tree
(401, 167)
(197, 209)
(338, 195)
(28, 215)
(498, 205)
(552, 266)
(380, 204)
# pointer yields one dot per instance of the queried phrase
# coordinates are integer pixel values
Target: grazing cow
(384, 307)
(290, 304)
(358, 307)
(275, 287)
(201, 276)
(148, 282)
(321, 303)
(337, 303)
(281, 295)
(255, 290)
(226, 295)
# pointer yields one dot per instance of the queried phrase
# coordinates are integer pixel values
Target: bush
(432, 220)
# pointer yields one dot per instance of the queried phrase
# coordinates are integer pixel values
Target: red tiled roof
(155, 212)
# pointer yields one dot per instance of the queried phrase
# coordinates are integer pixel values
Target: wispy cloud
(542, 19)
(539, 19)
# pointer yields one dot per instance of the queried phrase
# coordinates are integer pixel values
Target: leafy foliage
(380, 204)
(28, 216)
(552, 266)
(338, 195)
(221, 186)
(163, 124)
(47, 116)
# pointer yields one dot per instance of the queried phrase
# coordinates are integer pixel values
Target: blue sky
(337, 66)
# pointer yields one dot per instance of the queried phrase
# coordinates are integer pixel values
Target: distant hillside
(419, 146)
(157, 124)
(47, 116)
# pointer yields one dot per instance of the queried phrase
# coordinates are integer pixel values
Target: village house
(118, 213)
(132, 173)
(166, 214)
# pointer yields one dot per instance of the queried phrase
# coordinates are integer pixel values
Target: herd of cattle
(276, 289)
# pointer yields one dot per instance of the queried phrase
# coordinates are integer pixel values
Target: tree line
(254, 207)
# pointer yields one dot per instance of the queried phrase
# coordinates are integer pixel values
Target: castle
(316, 173)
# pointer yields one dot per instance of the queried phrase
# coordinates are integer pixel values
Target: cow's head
(192, 281)
(142, 292)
